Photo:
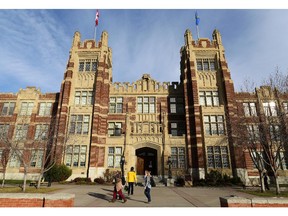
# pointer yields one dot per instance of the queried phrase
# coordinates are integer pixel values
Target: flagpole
(197, 27)
(95, 28)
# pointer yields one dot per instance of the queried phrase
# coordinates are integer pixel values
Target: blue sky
(35, 43)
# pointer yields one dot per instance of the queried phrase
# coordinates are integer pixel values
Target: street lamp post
(122, 162)
(169, 162)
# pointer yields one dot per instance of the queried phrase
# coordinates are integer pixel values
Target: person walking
(147, 185)
(118, 190)
(131, 179)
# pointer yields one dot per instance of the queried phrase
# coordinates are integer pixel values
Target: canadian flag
(97, 18)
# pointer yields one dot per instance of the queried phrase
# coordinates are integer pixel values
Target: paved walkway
(99, 196)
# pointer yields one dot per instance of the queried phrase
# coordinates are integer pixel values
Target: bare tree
(4, 151)
(263, 133)
(4, 156)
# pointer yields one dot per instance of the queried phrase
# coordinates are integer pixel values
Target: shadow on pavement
(100, 196)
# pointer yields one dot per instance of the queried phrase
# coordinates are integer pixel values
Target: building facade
(94, 121)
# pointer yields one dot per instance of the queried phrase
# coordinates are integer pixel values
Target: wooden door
(140, 166)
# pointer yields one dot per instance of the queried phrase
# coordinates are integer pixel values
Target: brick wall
(36, 200)
(254, 202)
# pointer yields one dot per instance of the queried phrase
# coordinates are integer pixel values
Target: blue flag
(197, 18)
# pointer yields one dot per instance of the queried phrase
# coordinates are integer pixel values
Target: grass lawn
(16, 189)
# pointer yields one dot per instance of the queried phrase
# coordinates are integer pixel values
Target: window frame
(215, 157)
(9, 110)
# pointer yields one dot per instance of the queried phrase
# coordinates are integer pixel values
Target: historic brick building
(94, 121)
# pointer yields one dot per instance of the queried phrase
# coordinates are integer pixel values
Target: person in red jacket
(118, 189)
(131, 179)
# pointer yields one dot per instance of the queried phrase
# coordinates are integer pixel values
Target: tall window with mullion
(116, 105)
(26, 108)
(115, 128)
(249, 109)
(218, 157)
(176, 105)
(270, 108)
(146, 104)
(41, 132)
(178, 157)
(79, 124)
(83, 98)
(214, 125)
(8, 108)
(88, 65)
(177, 128)
(4, 129)
(253, 132)
(209, 98)
(37, 158)
(275, 134)
(114, 157)
(45, 109)
(21, 132)
(76, 155)
(14, 160)
(206, 65)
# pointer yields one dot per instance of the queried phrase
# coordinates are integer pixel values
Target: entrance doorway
(146, 160)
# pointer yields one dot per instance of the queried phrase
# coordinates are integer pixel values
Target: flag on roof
(97, 18)
(197, 18)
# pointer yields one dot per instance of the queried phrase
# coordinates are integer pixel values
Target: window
(41, 132)
(214, 125)
(4, 129)
(177, 129)
(8, 108)
(79, 124)
(270, 108)
(209, 98)
(283, 161)
(176, 105)
(114, 128)
(218, 157)
(45, 109)
(275, 133)
(285, 107)
(116, 105)
(114, 156)
(37, 158)
(257, 158)
(14, 161)
(249, 109)
(83, 98)
(87, 65)
(76, 155)
(253, 132)
(178, 157)
(21, 132)
(206, 64)
(146, 104)
(26, 108)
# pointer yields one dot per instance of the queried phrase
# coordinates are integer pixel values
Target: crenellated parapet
(145, 85)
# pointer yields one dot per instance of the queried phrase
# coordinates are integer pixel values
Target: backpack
(152, 182)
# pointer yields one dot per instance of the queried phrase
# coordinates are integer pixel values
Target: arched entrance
(146, 159)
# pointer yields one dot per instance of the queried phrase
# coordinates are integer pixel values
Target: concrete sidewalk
(99, 196)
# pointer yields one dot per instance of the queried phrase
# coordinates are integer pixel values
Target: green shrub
(81, 179)
(180, 181)
(109, 175)
(58, 173)
(99, 180)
